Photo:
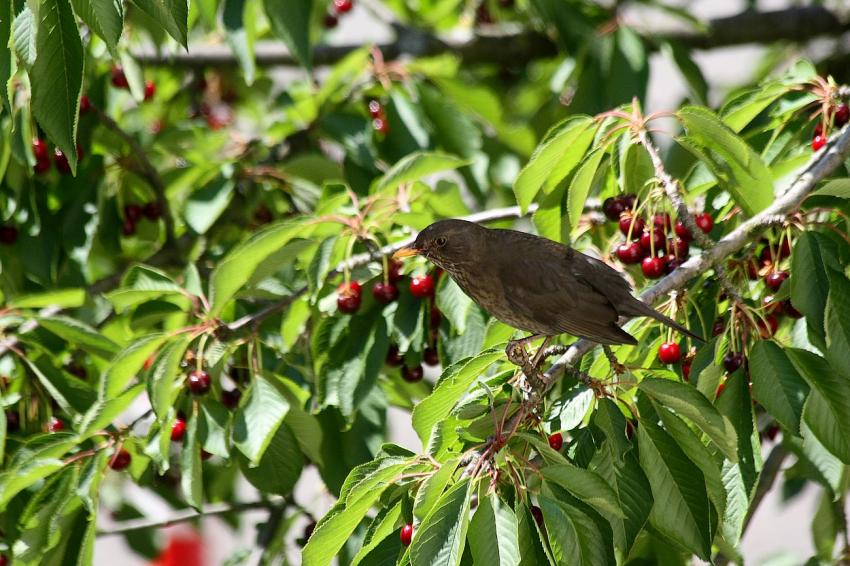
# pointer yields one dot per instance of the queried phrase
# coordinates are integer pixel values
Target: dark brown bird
(534, 284)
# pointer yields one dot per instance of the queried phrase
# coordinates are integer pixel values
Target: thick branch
(819, 167)
(509, 46)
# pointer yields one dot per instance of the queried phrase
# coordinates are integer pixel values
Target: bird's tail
(649, 311)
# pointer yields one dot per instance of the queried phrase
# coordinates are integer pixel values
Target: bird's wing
(604, 279)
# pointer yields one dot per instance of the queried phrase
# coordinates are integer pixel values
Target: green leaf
(7, 59)
(441, 537)
(63, 298)
(736, 165)
(80, 335)
(830, 467)
(432, 489)
(172, 15)
(191, 471)
(213, 428)
(576, 537)
(573, 406)
(494, 519)
(205, 205)
(57, 76)
(452, 385)
(321, 265)
(586, 485)
(240, 34)
(237, 267)
(415, 166)
(635, 166)
(307, 430)
(24, 34)
(378, 546)
(742, 109)
(777, 385)
(454, 304)
(580, 186)
(163, 385)
(455, 130)
(810, 284)
(141, 284)
(105, 410)
(688, 402)
(71, 393)
(127, 364)
(834, 188)
(290, 21)
(682, 510)
(104, 17)
(259, 417)
(689, 69)
(561, 150)
(838, 323)
(280, 465)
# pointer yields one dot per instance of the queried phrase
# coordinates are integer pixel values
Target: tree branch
(819, 167)
(504, 44)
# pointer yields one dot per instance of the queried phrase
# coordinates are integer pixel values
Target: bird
(534, 284)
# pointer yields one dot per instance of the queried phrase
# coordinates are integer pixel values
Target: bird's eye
(441, 241)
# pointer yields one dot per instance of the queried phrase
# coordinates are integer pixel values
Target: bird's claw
(517, 354)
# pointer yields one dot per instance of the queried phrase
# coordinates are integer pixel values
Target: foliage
(197, 243)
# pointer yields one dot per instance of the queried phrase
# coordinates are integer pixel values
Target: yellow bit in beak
(405, 252)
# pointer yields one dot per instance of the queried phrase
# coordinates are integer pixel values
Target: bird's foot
(616, 366)
(516, 353)
(598, 387)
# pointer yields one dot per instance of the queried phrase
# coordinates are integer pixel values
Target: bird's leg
(535, 361)
(515, 350)
(618, 368)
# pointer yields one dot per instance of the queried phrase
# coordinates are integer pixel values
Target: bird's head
(447, 243)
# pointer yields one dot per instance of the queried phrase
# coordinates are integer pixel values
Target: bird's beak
(405, 252)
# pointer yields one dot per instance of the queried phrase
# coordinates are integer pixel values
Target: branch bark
(493, 44)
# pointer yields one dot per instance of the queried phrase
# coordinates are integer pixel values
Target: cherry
(662, 221)
(537, 513)
(308, 530)
(330, 21)
(634, 223)
(128, 228)
(375, 109)
(263, 215)
(39, 149)
(152, 210)
(8, 234)
(818, 131)
(13, 421)
(178, 430)
(343, 6)
(41, 167)
(771, 306)
(718, 327)
(842, 115)
(482, 14)
(669, 353)
(149, 362)
(613, 207)
(119, 79)
(205, 455)
(772, 432)
(431, 357)
(384, 293)
(704, 221)
(199, 382)
(394, 357)
(784, 249)
(413, 374)
(654, 239)
(789, 309)
(629, 252)
(77, 370)
(631, 427)
(774, 279)
(406, 534)
(671, 263)
(768, 326)
(629, 201)
(818, 142)
(349, 297)
(720, 389)
(61, 161)
(732, 361)
(133, 212)
(55, 424)
(381, 126)
(686, 370)
(394, 272)
(752, 267)
(652, 267)
(85, 104)
(230, 398)
(556, 440)
(436, 317)
(422, 286)
(150, 89)
(120, 460)
(682, 231)
(679, 248)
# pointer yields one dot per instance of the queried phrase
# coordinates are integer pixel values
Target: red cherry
(436, 317)
(683, 232)
(263, 215)
(662, 221)
(704, 221)
(149, 362)
(634, 223)
(384, 293)
(630, 252)
(422, 286)
(431, 357)
(55, 424)
(732, 361)
(789, 309)
(818, 131)
(128, 228)
(343, 6)
(150, 89)
(330, 21)
(752, 268)
(671, 263)
(77, 370)
(152, 210)
(613, 207)
(178, 430)
(199, 382)
(556, 441)
(631, 427)
(718, 327)
(120, 460)
(39, 149)
(349, 297)
(537, 513)
(413, 374)
(85, 104)
(772, 432)
(679, 248)
(720, 389)
(133, 212)
(394, 272)
(772, 306)
(818, 142)
(119, 79)
(686, 370)
(375, 109)
(41, 167)
(842, 115)
(669, 353)
(394, 357)
(230, 398)
(381, 126)
(406, 534)
(774, 279)
(8, 235)
(3, 560)
(768, 327)
(654, 239)
(629, 201)
(61, 161)
(652, 267)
